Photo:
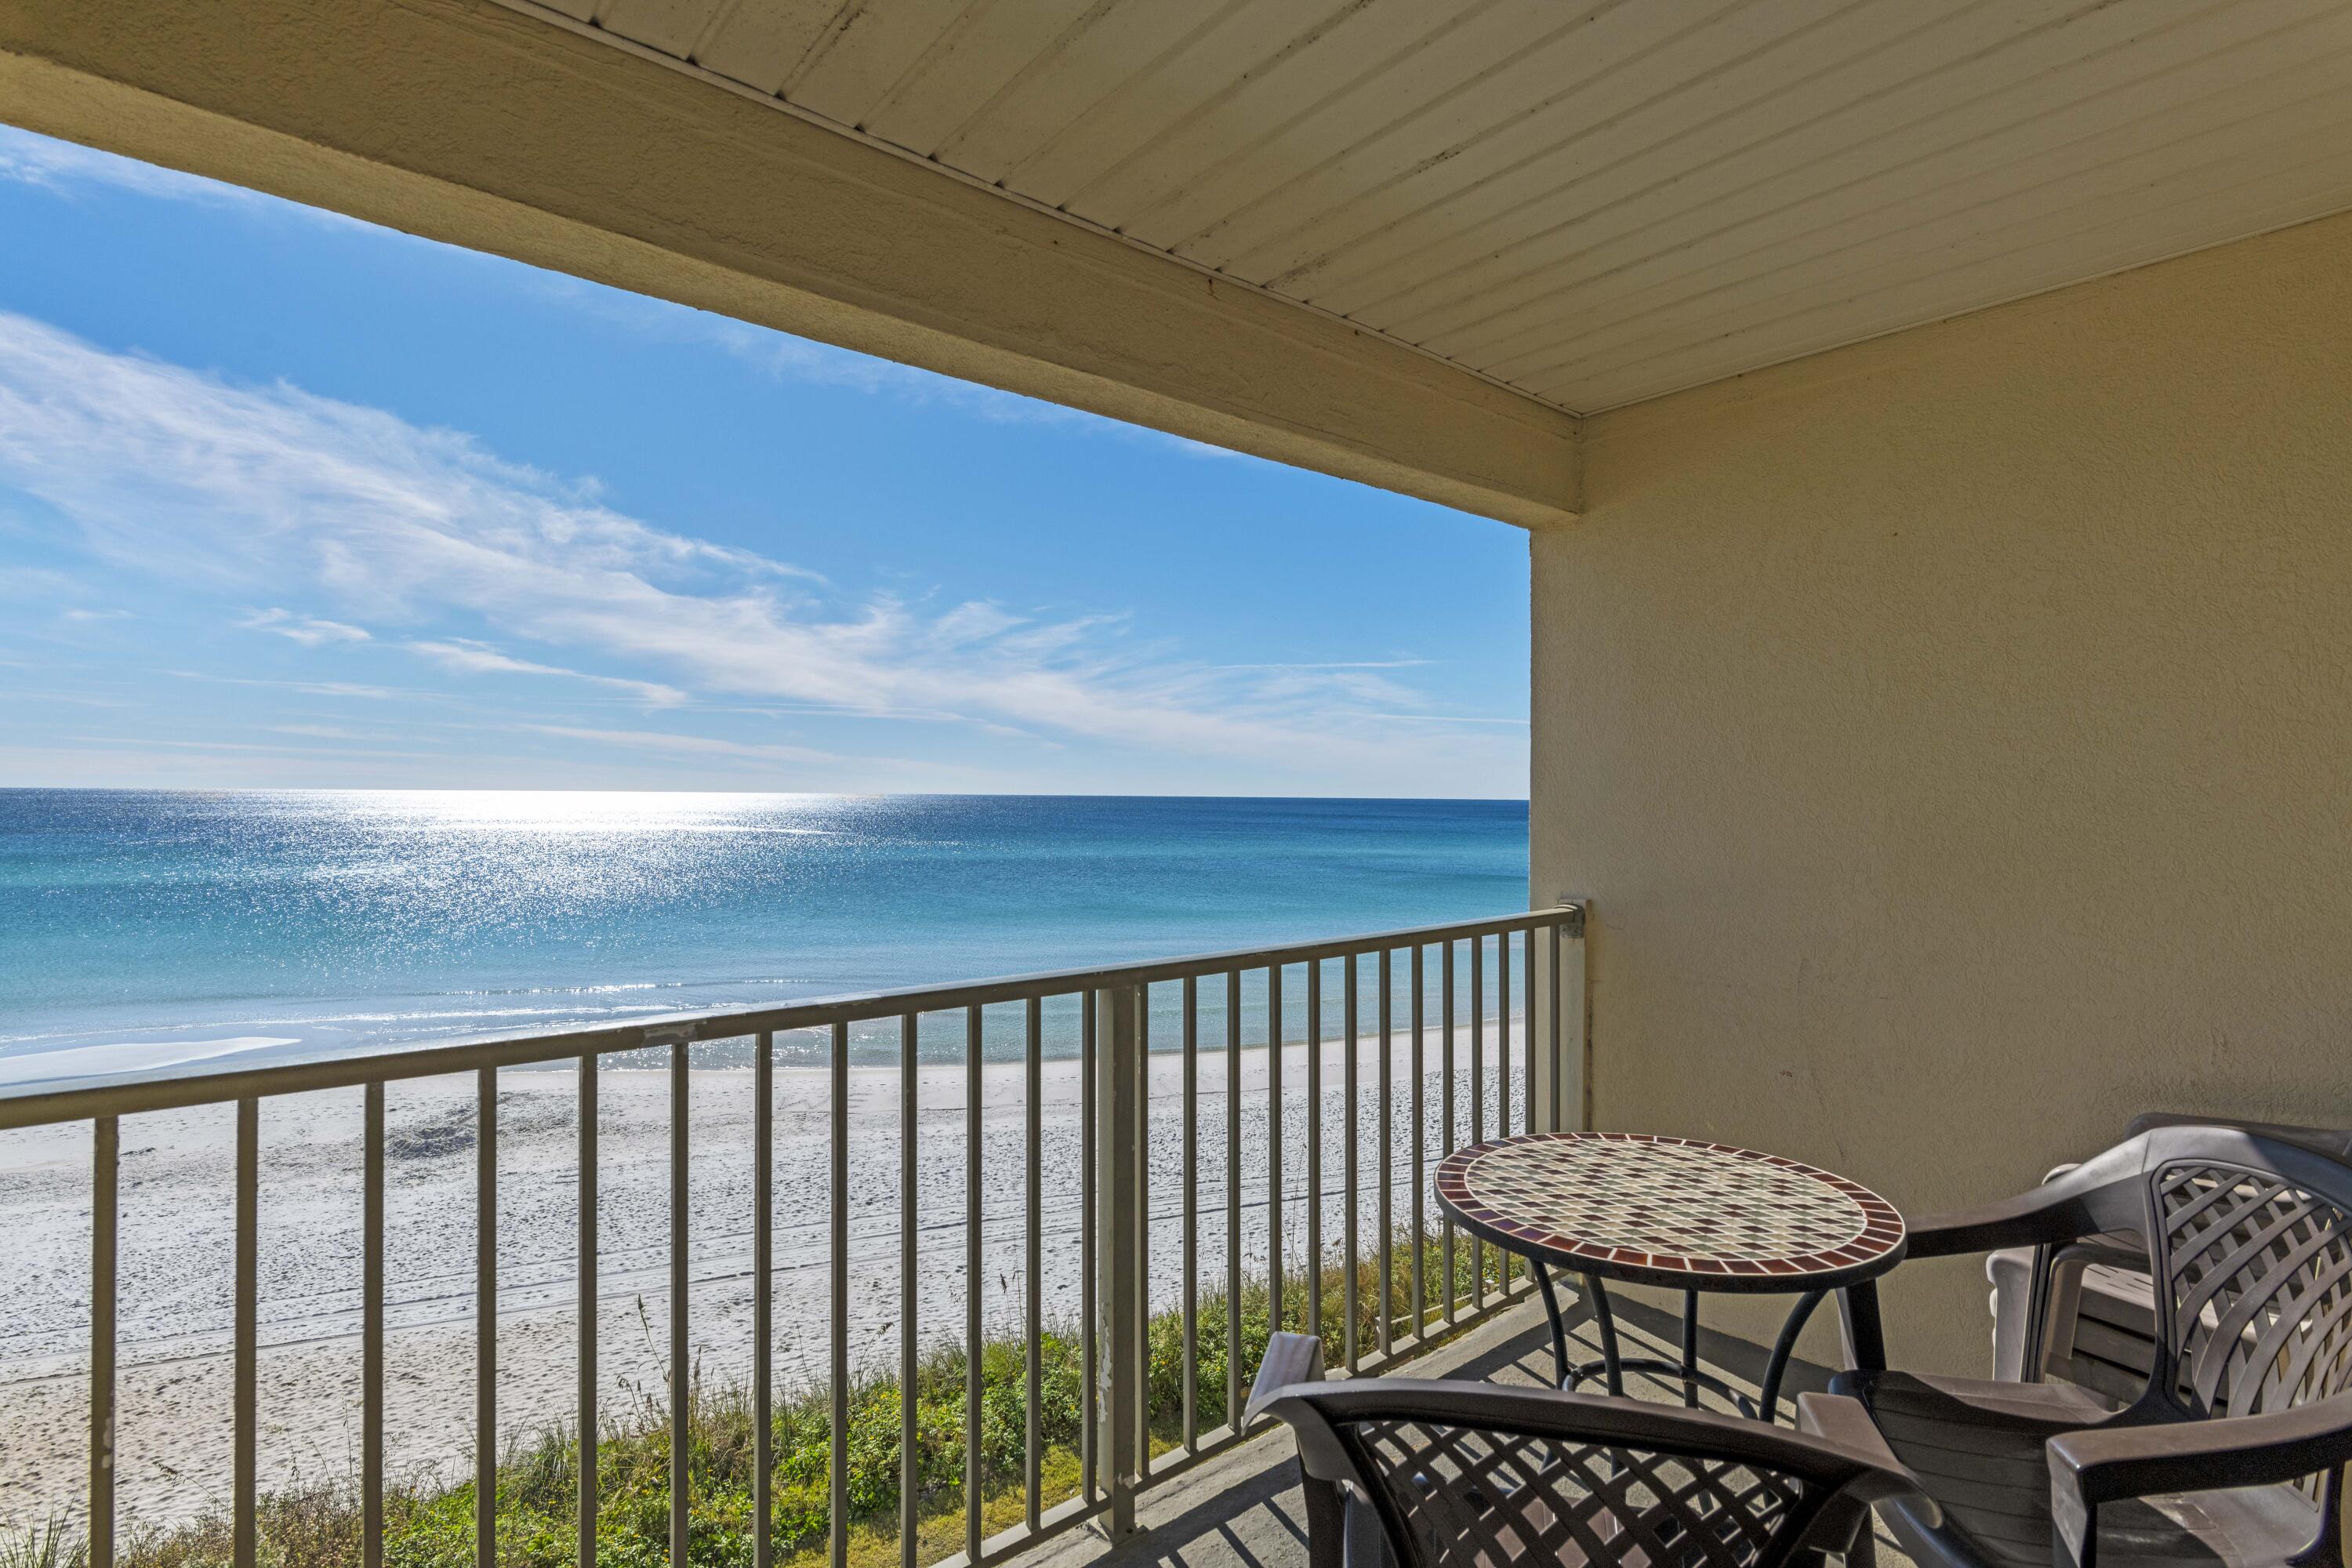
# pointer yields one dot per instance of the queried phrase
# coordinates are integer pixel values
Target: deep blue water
(143, 928)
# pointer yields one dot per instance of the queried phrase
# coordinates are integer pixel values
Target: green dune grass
(317, 1525)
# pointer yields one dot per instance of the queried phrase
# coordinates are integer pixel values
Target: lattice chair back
(2250, 1244)
(1464, 1475)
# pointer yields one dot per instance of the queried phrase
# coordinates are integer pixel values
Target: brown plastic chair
(1470, 1475)
(2248, 1242)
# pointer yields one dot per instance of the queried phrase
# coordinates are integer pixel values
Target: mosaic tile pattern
(1673, 1205)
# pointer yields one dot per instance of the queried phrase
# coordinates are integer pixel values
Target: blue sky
(291, 500)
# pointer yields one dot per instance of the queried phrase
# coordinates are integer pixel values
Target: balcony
(765, 1254)
(1932, 440)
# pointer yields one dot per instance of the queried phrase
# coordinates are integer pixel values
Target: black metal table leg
(1768, 1397)
(1613, 1364)
(1865, 1343)
(1611, 1361)
(1559, 1329)
(1690, 1349)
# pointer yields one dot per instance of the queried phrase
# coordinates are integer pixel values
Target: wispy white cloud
(40, 586)
(68, 168)
(308, 688)
(233, 747)
(270, 490)
(799, 360)
(1338, 664)
(309, 630)
(470, 658)
(71, 699)
(689, 745)
(93, 615)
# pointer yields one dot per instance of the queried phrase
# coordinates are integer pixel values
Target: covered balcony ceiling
(1410, 242)
(1589, 205)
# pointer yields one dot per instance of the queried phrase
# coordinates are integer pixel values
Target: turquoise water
(145, 929)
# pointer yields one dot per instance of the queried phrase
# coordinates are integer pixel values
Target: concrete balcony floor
(1243, 1509)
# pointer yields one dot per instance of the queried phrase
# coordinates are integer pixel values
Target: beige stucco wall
(1955, 733)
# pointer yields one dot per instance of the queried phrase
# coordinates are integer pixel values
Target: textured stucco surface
(468, 121)
(1955, 734)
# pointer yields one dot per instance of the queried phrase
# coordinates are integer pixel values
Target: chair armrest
(1864, 1470)
(2044, 1216)
(2106, 1464)
(2065, 1208)
(1834, 1419)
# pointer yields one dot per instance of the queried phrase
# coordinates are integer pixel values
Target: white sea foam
(125, 1056)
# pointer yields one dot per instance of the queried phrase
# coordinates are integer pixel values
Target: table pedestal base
(1612, 1365)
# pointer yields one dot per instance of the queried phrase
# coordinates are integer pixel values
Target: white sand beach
(173, 1441)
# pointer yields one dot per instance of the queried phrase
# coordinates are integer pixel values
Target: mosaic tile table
(1680, 1213)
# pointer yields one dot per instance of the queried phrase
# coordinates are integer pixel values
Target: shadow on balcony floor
(1243, 1510)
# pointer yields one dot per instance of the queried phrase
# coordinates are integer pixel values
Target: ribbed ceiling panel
(1592, 205)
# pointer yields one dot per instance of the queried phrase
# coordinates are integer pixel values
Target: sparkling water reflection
(141, 929)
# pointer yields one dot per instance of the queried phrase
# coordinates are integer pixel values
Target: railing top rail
(46, 1107)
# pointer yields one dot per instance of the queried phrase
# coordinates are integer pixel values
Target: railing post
(1119, 1295)
(1558, 1098)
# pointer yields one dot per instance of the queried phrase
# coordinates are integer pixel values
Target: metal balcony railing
(1446, 999)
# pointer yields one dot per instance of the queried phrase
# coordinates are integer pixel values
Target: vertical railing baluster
(1350, 1197)
(486, 1317)
(1315, 1146)
(1034, 1047)
(243, 1543)
(1120, 1448)
(763, 1285)
(972, 1089)
(1273, 1195)
(680, 1416)
(1445, 1096)
(1089, 1403)
(1478, 1097)
(1502, 1069)
(105, 1168)
(1503, 1029)
(1190, 1156)
(1233, 1200)
(1388, 1164)
(1552, 1048)
(1420, 1139)
(1580, 1022)
(1139, 1134)
(837, 1450)
(910, 1115)
(585, 1546)
(371, 1328)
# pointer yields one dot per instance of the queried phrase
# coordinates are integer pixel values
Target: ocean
(141, 931)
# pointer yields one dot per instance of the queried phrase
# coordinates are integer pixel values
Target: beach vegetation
(430, 1523)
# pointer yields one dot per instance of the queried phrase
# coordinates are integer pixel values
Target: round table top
(1679, 1212)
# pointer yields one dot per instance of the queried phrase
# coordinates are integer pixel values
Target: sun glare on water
(585, 811)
